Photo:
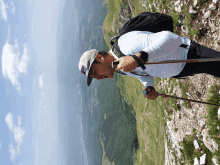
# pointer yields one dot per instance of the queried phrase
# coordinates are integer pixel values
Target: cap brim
(89, 80)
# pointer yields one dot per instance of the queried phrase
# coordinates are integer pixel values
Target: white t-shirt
(160, 46)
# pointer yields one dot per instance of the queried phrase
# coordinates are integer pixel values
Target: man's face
(103, 69)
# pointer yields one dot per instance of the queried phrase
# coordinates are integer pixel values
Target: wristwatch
(144, 56)
(139, 62)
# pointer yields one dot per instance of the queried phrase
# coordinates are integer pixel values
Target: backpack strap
(184, 46)
(115, 38)
(118, 51)
(120, 72)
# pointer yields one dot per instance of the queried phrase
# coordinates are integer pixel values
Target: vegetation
(150, 122)
(212, 116)
(175, 15)
(117, 126)
(189, 152)
(188, 22)
(186, 103)
(175, 129)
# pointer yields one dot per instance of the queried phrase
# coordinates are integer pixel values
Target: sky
(28, 82)
(44, 117)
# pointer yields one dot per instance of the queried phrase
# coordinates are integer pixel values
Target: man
(149, 47)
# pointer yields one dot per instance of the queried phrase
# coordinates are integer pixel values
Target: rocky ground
(185, 120)
(207, 22)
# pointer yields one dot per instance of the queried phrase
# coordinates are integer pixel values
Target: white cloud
(22, 67)
(3, 8)
(12, 65)
(41, 82)
(18, 133)
(0, 145)
(9, 121)
(13, 8)
(19, 121)
(12, 151)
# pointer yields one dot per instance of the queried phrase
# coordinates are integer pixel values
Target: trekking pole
(164, 95)
(114, 64)
(189, 60)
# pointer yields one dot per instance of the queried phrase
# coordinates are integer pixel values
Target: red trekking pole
(179, 61)
(189, 60)
(164, 95)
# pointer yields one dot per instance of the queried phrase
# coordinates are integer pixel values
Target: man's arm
(162, 43)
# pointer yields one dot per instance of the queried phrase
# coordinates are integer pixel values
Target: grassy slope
(149, 126)
(109, 23)
(150, 114)
(150, 121)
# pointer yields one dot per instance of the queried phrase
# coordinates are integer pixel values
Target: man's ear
(99, 58)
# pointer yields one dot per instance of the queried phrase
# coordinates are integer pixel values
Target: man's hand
(152, 95)
(126, 63)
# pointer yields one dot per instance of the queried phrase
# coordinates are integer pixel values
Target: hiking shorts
(197, 51)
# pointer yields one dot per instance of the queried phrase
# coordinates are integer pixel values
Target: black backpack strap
(112, 40)
(117, 48)
(183, 45)
(120, 72)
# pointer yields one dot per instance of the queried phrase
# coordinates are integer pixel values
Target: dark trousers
(199, 51)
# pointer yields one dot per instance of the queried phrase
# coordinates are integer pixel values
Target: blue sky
(28, 82)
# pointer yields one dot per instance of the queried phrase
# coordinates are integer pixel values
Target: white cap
(86, 62)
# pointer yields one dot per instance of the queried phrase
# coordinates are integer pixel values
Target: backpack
(146, 21)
